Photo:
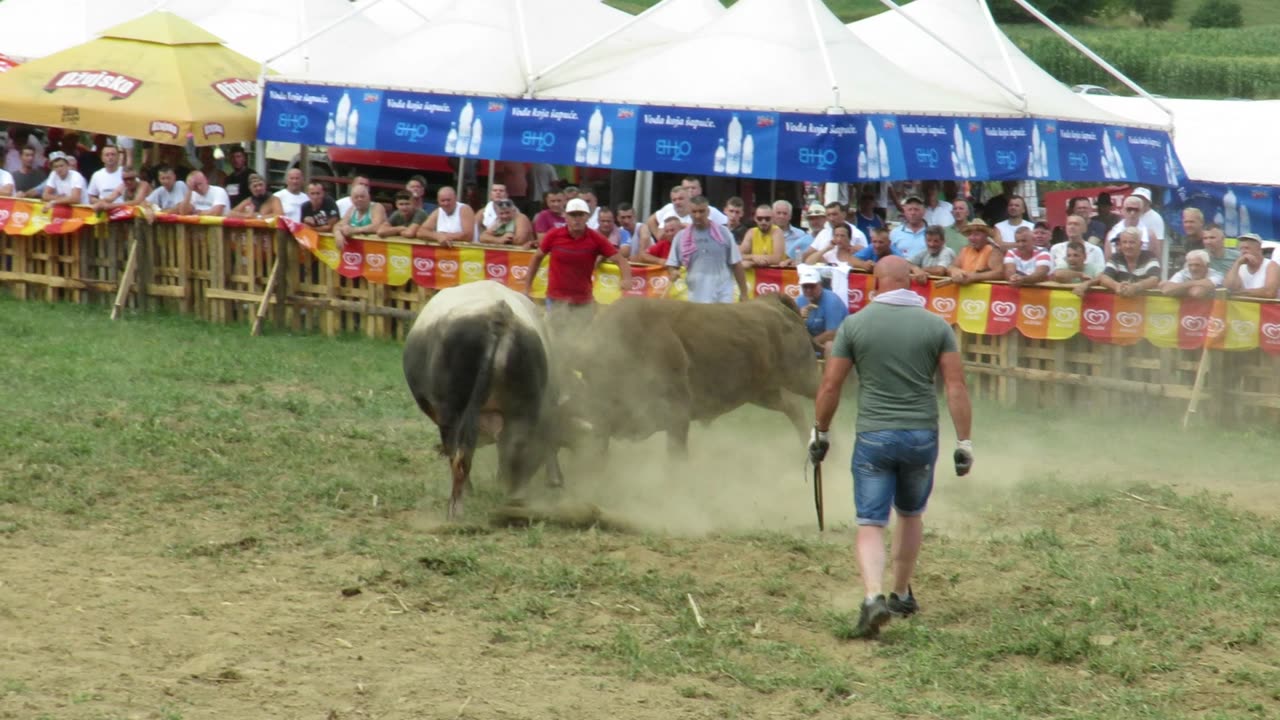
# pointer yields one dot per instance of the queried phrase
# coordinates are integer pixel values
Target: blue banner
(571, 133)
(441, 124)
(708, 142)
(698, 141)
(1237, 209)
(820, 148)
(1153, 159)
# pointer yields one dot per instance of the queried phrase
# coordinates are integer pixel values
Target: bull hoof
(455, 509)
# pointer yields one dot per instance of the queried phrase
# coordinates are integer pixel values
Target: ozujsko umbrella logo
(114, 84)
(236, 90)
(164, 127)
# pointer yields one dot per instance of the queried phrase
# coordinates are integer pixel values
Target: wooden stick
(266, 298)
(1201, 371)
(1143, 500)
(126, 280)
(697, 616)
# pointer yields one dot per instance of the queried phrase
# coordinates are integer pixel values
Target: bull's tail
(464, 433)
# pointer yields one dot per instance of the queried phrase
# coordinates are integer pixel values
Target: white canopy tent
(254, 28)
(769, 55)
(515, 38)
(974, 39)
(1217, 141)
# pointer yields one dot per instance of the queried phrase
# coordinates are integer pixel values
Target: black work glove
(818, 445)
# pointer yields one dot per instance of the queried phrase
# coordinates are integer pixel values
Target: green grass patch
(1075, 587)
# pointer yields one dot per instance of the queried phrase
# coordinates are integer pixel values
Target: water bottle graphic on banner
(464, 129)
(329, 131)
(580, 150)
(595, 132)
(606, 146)
(477, 135)
(1231, 219)
(733, 147)
(340, 120)
(720, 157)
(883, 157)
(1245, 225)
(353, 127)
(862, 162)
(748, 154)
(451, 142)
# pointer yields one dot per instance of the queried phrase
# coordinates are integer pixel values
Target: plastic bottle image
(606, 146)
(862, 162)
(580, 150)
(1245, 225)
(1219, 220)
(957, 165)
(1231, 214)
(353, 127)
(718, 166)
(595, 132)
(884, 159)
(328, 131)
(464, 129)
(970, 164)
(477, 135)
(873, 159)
(748, 154)
(733, 147)
(340, 120)
(451, 142)
(1044, 158)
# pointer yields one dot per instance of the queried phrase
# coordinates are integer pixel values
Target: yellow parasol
(158, 77)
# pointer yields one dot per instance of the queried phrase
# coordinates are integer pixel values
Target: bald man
(897, 346)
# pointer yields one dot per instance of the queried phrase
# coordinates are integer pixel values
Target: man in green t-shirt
(404, 221)
(897, 346)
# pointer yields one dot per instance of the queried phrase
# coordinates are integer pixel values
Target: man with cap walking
(897, 347)
(574, 250)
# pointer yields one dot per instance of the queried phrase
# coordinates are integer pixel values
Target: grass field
(199, 524)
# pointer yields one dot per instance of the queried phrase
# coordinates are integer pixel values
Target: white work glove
(819, 442)
(963, 457)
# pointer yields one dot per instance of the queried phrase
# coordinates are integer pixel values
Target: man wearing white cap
(574, 250)
(1150, 217)
(64, 186)
(822, 310)
(817, 217)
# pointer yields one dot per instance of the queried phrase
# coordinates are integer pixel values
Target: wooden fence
(222, 275)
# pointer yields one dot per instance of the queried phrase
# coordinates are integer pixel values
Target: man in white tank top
(451, 222)
(1253, 275)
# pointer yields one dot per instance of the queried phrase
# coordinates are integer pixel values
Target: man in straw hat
(980, 260)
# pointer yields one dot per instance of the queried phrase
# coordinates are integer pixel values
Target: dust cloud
(745, 471)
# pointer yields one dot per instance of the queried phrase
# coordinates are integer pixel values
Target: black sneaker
(903, 606)
(875, 613)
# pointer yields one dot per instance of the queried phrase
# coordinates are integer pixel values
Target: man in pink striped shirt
(1026, 264)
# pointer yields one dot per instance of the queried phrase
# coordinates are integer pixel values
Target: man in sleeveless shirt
(897, 346)
(451, 222)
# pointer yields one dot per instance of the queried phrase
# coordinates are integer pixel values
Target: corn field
(1197, 63)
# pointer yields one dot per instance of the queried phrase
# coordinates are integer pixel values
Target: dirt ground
(106, 622)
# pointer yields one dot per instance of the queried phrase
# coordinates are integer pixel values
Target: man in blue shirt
(822, 310)
(908, 238)
(865, 259)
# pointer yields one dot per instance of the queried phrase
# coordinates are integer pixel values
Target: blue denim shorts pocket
(893, 468)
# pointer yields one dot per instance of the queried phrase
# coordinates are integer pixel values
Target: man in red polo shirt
(574, 250)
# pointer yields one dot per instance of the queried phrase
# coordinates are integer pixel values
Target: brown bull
(682, 361)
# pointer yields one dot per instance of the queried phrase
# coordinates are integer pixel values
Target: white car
(1090, 90)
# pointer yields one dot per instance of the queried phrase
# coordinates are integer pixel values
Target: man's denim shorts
(893, 467)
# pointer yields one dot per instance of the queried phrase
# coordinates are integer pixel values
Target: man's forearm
(961, 410)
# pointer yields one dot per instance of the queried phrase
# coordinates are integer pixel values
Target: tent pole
(898, 8)
(489, 191)
(624, 26)
(462, 171)
(1084, 49)
(997, 37)
(826, 58)
(526, 61)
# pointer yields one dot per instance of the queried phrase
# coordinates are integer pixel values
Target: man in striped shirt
(1026, 264)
